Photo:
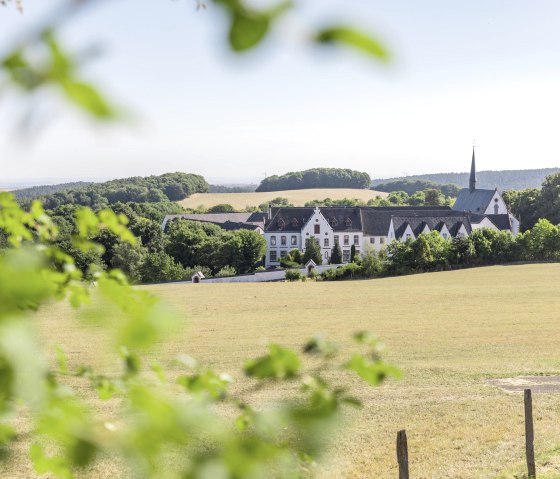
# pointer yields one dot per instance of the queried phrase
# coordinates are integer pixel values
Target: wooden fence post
(402, 454)
(529, 434)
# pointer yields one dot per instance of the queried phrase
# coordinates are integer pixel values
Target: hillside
(504, 179)
(457, 423)
(36, 191)
(296, 197)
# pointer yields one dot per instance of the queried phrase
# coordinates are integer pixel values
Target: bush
(226, 271)
(293, 275)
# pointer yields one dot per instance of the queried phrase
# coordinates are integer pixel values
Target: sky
(484, 70)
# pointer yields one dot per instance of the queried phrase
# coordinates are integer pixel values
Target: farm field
(448, 332)
(296, 197)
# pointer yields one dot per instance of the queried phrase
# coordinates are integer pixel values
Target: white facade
(497, 205)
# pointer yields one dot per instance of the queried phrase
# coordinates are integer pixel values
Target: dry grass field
(449, 333)
(296, 197)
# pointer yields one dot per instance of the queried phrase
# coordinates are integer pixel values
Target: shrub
(226, 271)
(293, 275)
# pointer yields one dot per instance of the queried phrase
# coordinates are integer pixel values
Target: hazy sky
(483, 69)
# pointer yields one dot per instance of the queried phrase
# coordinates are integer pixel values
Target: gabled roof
(289, 219)
(225, 220)
(475, 201)
(502, 222)
(435, 222)
(293, 219)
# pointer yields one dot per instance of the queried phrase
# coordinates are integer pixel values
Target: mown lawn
(448, 332)
(296, 197)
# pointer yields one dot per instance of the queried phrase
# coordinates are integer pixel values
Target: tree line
(159, 256)
(503, 179)
(138, 189)
(413, 186)
(531, 204)
(316, 178)
(42, 190)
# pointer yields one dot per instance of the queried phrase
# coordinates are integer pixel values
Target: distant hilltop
(503, 180)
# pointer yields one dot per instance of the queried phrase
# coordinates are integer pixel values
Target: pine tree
(336, 254)
(312, 251)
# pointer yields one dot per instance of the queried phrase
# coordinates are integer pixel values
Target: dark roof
(289, 219)
(228, 221)
(502, 222)
(375, 222)
(417, 223)
(473, 201)
(224, 217)
(341, 218)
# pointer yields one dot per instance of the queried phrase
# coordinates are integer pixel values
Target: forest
(316, 178)
(149, 189)
(503, 179)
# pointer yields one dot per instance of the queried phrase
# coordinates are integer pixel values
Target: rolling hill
(503, 180)
(296, 197)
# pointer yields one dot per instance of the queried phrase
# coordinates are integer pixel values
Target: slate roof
(228, 221)
(417, 223)
(289, 219)
(475, 201)
(341, 218)
(376, 222)
(502, 222)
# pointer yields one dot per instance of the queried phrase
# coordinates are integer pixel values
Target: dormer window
(333, 222)
(281, 223)
(294, 222)
(348, 222)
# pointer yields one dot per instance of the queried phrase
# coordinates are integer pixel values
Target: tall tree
(312, 251)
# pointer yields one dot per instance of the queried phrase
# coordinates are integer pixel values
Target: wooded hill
(504, 179)
(139, 189)
(316, 178)
(41, 190)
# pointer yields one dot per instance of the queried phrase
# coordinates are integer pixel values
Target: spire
(472, 181)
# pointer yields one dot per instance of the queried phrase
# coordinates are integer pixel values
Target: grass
(296, 197)
(448, 332)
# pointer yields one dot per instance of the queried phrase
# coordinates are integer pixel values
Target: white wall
(496, 201)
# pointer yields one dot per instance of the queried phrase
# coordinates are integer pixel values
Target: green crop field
(296, 197)
(449, 333)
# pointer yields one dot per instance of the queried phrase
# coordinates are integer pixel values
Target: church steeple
(472, 181)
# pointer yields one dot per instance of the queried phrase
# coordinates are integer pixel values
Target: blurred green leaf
(355, 39)
(207, 382)
(280, 363)
(89, 99)
(374, 372)
(7, 434)
(247, 30)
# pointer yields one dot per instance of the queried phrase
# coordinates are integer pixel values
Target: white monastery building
(372, 227)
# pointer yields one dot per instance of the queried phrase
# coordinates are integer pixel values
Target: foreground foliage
(156, 419)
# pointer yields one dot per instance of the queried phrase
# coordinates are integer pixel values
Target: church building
(287, 228)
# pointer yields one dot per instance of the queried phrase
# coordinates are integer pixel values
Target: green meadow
(448, 332)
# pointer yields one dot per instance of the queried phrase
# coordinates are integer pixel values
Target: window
(348, 222)
(317, 229)
(346, 256)
(444, 235)
(283, 254)
(273, 257)
(326, 255)
(381, 240)
(282, 241)
(326, 242)
(372, 240)
(294, 222)
(496, 209)
(335, 239)
(294, 240)
(273, 241)
(346, 240)
(356, 239)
